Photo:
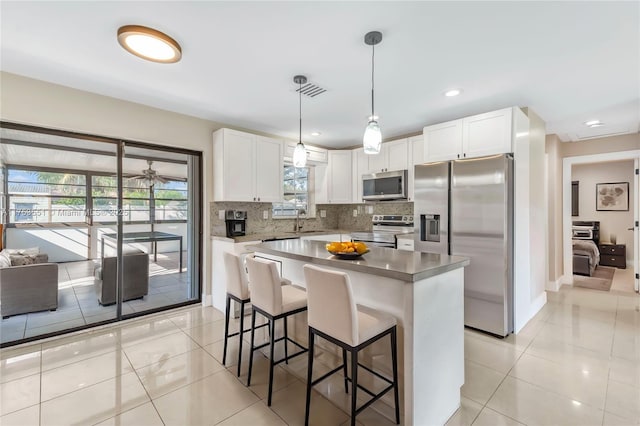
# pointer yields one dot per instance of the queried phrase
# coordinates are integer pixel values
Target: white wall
(64, 244)
(34, 102)
(611, 222)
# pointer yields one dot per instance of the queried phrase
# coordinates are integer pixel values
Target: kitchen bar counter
(424, 292)
(279, 235)
(385, 262)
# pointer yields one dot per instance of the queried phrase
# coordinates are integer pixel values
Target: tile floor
(576, 363)
(78, 304)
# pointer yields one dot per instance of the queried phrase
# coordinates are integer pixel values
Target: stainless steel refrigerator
(465, 208)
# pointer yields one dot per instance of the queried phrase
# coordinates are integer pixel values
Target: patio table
(146, 237)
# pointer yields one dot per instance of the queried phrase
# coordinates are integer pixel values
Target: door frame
(567, 165)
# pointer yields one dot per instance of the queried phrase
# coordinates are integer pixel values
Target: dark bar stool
(238, 290)
(334, 316)
(273, 301)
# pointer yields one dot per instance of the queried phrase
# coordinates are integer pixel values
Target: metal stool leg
(272, 326)
(226, 330)
(240, 332)
(253, 332)
(286, 337)
(354, 385)
(309, 378)
(346, 374)
(394, 360)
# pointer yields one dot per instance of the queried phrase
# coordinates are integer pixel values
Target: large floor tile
(68, 350)
(95, 403)
(597, 338)
(81, 374)
(488, 417)
(159, 349)
(586, 386)
(208, 333)
(533, 405)
(256, 415)
(54, 328)
(289, 404)
(144, 415)
(143, 330)
(571, 356)
(466, 414)
(25, 417)
(572, 315)
(207, 401)
(611, 419)
(626, 342)
(496, 355)
(480, 382)
(624, 401)
(20, 362)
(172, 373)
(625, 371)
(260, 376)
(20, 393)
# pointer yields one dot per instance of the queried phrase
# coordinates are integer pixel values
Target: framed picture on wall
(612, 196)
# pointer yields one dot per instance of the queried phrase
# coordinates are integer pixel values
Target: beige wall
(556, 151)
(611, 222)
(27, 101)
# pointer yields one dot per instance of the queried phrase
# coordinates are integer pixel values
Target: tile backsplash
(338, 216)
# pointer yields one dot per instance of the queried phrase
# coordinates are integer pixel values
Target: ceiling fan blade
(161, 179)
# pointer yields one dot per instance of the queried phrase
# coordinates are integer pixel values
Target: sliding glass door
(94, 230)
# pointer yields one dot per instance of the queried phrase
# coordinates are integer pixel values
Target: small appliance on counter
(236, 221)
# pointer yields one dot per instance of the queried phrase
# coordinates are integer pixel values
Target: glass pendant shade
(299, 155)
(372, 139)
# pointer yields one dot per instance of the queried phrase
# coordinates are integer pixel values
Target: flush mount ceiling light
(315, 133)
(300, 152)
(372, 139)
(149, 44)
(452, 92)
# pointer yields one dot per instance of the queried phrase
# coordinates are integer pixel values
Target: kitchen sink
(312, 231)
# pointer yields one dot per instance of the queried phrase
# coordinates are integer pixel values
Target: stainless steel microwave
(385, 186)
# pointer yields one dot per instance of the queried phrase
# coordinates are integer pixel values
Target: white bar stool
(238, 290)
(334, 316)
(273, 301)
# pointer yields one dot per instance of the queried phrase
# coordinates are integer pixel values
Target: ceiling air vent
(311, 90)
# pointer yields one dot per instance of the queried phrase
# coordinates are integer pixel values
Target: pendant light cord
(300, 111)
(373, 53)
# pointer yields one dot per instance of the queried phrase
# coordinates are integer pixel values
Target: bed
(586, 255)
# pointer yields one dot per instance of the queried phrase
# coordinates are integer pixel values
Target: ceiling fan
(151, 176)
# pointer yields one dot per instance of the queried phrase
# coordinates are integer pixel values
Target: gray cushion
(28, 259)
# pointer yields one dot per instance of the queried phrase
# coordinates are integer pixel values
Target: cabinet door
(443, 141)
(360, 167)
(416, 148)
(397, 155)
(269, 169)
(339, 191)
(487, 134)
(239, 166)
(378, 162)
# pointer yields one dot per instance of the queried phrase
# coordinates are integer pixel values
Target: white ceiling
(568, 61)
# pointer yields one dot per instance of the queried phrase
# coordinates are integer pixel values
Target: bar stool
(238, 290)
(273, 301)
(334, 316)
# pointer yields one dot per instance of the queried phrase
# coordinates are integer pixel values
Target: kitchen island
(425, 292)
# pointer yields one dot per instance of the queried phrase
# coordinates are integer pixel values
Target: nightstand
(613, 255)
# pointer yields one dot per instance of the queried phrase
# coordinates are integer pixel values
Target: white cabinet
(246, 167)
(315, 155)
(360, 166)
(339, 177)
(416, 156)
(405, 244)
(327, 237)
(443, 142)
(487, 134)
(470, 137)
(393, 156)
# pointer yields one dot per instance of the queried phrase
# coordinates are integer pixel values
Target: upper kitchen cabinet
(246, 167)
(315, 155)
(339, 177)
(443, 142)
(393, 156)
(416, 156)
(470, 137)
(360, 166)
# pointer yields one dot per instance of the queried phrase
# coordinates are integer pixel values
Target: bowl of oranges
(347, 249)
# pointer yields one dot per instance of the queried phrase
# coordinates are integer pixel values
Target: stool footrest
(378, 375)
(319, 379)
(374, 399)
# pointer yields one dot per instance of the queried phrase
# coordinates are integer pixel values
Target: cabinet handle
(464, 155)
(458, 155)
(258, 198)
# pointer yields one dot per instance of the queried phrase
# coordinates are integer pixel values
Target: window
(296, 192)
(170, 200)
(46, 197)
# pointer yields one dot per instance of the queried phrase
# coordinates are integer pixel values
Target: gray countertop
(280, 235)
(396, 264)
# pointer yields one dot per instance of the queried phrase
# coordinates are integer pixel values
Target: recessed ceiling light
(315, 133)
(593, 123)
(149, 44)
(597, 125)
(452, 92)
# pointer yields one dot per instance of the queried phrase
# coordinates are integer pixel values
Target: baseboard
(207, 300)
(554, 285)
(535, 307)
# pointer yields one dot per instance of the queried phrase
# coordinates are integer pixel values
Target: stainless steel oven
(385, 228)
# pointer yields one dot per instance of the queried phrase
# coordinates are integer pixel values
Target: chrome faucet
(297, 226)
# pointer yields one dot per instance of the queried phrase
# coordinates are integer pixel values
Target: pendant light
(300, 153)
(372, 138)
